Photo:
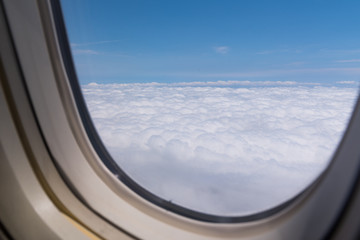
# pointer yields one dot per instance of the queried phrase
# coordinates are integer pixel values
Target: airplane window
(226, 108)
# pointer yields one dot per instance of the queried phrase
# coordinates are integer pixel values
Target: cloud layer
(222, 148)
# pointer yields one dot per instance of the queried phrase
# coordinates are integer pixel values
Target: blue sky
(189, 40)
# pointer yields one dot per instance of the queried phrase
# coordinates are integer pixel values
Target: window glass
(222, 107)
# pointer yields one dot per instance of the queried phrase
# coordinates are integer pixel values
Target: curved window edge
(110, 163)
(321, 190)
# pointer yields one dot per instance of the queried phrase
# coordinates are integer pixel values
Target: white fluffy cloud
(225, 148)
(222, 49)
